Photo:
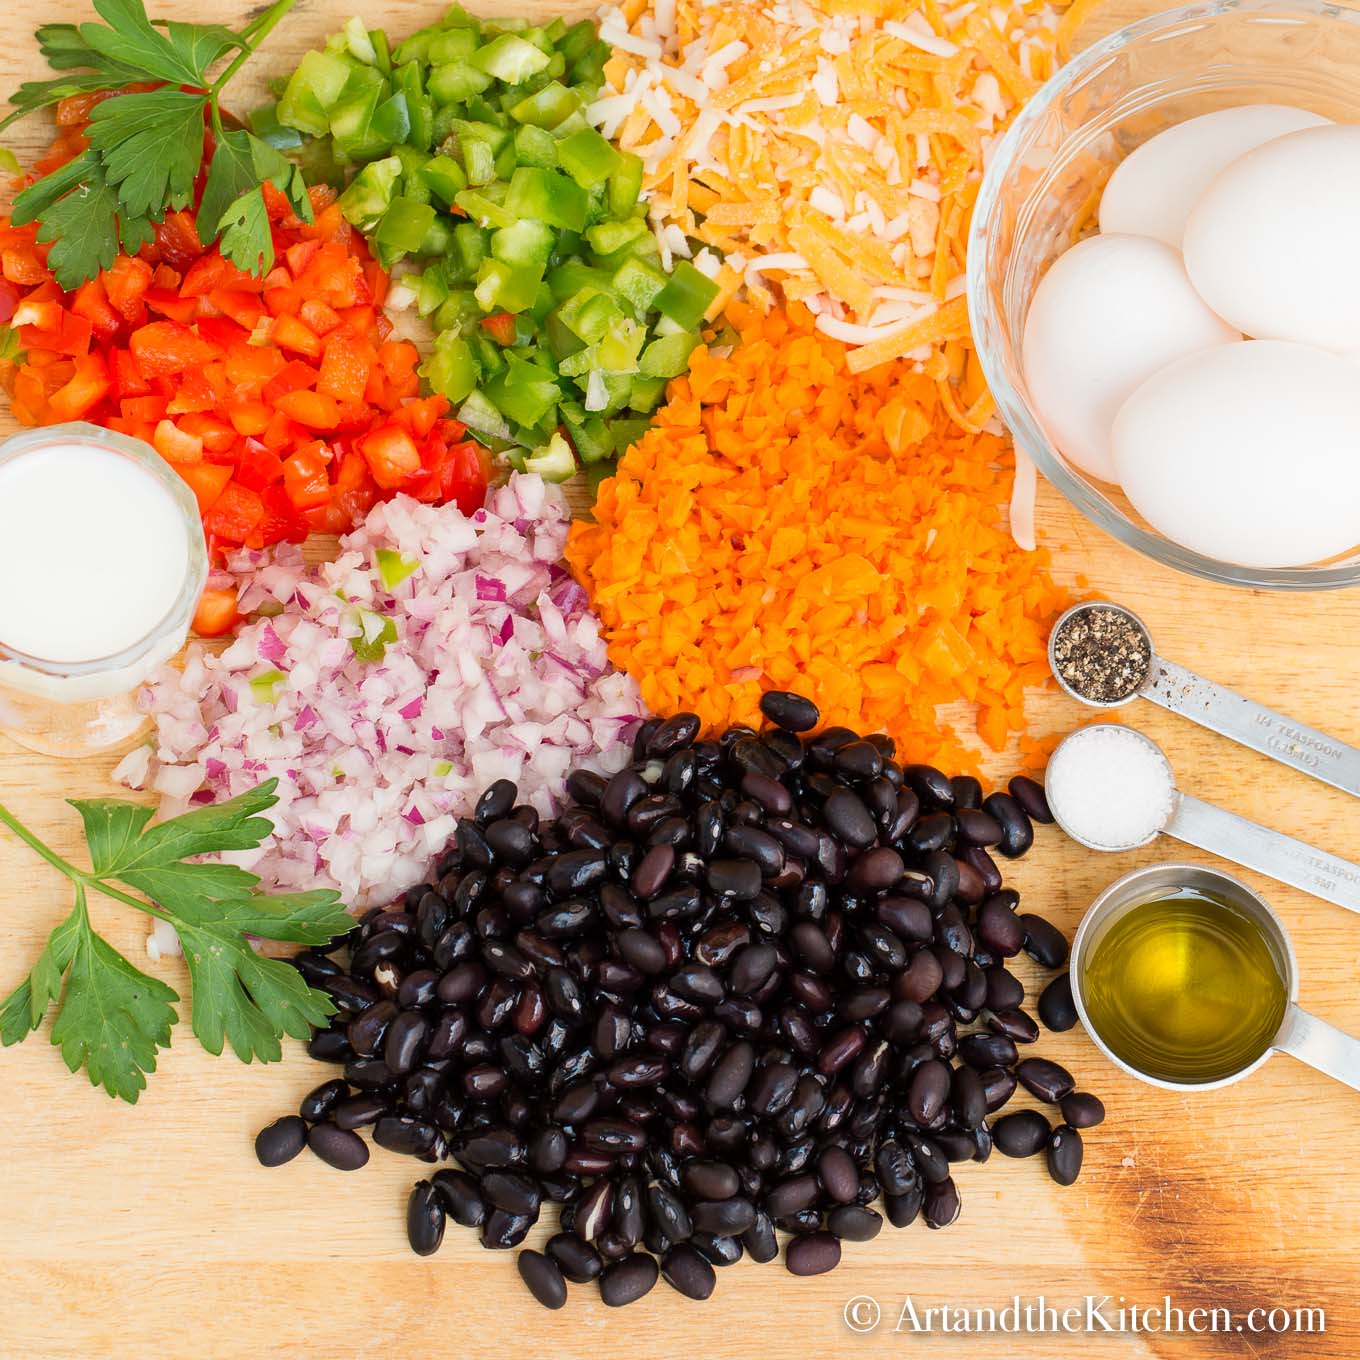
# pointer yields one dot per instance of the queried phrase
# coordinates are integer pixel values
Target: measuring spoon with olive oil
(1185, 988)
(1186, 978)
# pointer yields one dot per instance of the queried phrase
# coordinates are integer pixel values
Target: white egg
(1154, 188)
(1110, 312)
(1272, 245)
(1248, 453)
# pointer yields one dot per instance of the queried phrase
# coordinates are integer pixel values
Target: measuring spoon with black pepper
(1102, 655)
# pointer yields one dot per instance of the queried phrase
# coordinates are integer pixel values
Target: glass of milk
(102, 562)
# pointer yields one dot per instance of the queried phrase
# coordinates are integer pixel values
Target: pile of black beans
(747, 985)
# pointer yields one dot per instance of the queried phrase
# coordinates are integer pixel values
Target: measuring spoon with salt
(1112, 788)
(1138, 672)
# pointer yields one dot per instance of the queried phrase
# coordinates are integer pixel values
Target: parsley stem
(77, 876)
(33, 843)
(254, 35)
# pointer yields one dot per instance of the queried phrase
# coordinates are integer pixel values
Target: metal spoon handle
(1320, 1045)
(1268, 852)
(1243, 720)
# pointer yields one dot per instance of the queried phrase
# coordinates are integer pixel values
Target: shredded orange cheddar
(849, 134)
(788, 523)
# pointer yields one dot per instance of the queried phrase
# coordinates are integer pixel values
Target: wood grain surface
(152, 1232)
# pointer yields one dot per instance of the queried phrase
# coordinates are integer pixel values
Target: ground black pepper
(1102, 654)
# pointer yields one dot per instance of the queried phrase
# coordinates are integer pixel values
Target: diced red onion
(498, 671)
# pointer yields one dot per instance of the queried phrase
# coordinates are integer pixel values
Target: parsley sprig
(113, 1019)
(146, 148)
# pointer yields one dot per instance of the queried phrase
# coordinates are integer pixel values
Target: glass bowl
(1045, 178)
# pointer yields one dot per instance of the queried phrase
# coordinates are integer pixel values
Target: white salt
(1110, 787)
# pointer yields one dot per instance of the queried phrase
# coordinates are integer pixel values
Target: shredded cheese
(837, 144)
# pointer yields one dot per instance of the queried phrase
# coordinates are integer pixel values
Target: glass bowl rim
(984, 319)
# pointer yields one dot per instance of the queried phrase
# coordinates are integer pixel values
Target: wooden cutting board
(152, 1231)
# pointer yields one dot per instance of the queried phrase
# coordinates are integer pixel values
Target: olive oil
(1185, 988)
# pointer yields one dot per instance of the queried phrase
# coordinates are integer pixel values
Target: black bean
(687, 1272)
(1057, 1009)
(317, 1104)
(929, 1160)
(1082, 1110)
(357, 1112)
(1017, 832)
(425, 1218)
(791, 1196)
(929, 1091)
(503, 1231)
(1064, 1154)
(772, 796)
(998, 1086)
(759, 1240)
(738, 879)
(849, 819)
(574, 1257)
(668, 1213)
(626, 1281)
(1044, 943)
(987, 1050)
(976, 827)
(1047, 1080)
(710, 1180)
(968, 1097)
(857, 760)
(677, 731)
(875, 871)
(730, 1075)
(1032, 798)
(1014, 1024)
(337, 1147)
(723, 1217)
(1005, 991)
(813, 1254)
(942, 1205)
(405, 1041)
(932, 832)
(999, 928)
(410, 1137)
(854, 1223)
(1021, 1134)
(838, 1174)
(930, 785)
(282, 1140)
(904, 1209)
(716, 1249)
(330, 1045)
(967, 791)
(543, 1278)
(510, 1191)
(790, 711)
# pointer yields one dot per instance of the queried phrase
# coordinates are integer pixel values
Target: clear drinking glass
(1045, 177)
(72, 708)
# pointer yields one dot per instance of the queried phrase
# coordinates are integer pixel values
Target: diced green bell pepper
(554, 462)
(639, 285)
(455, 82)
(667, 357)
(451, 370)
(526, 244)
(506, 288)
(482, 417)
(370, 193)
(687, 295)
(450, 44)
(444, 178)
(548, 108)
(404, 224)
(509, 58)
(548, 196)
(483, 210)
(625, 184)
(607, 237)
(311, 92)
(469, 248)
(588, 158)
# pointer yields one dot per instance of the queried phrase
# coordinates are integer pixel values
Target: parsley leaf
(246, 239)
(128, 36)
(151, 146)
(113, 1019)
(83, 229)
(146, 148)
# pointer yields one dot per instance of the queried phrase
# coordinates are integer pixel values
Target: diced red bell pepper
(20, 264)
(142, 408)
(281, 520)
(500, 326)
(345, 366)
(128, 379)
(319, 317)
(391, 454)
(176, 241)
(194, 395)
(244, 308)
(289, 333)
(249, 417)
(125, 285)
(257, 467)
(315, 410)
(234, 514)
(91, 301)
(163, 348)
(217, 612)
(292, 377)
(87, 387)
(306, 481)
(168, 302)
(175, 445)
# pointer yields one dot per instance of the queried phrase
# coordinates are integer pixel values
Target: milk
(100, 558)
